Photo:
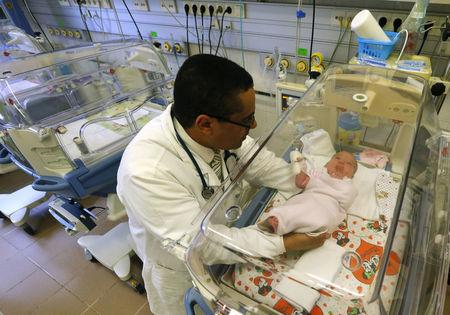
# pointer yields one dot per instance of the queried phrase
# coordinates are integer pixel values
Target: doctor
(169, 171)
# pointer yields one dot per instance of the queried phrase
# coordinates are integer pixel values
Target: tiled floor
(48, 274)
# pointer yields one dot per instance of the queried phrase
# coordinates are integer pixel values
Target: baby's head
(341, 165)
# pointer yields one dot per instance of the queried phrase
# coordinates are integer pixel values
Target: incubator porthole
(233, 213)
(351, 261)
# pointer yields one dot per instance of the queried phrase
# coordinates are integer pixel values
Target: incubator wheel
(88, 256)
(136, 285)
(28, 229)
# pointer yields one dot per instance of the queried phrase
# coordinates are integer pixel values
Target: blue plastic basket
(373, 49)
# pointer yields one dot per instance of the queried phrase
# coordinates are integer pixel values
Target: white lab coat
(161, 191)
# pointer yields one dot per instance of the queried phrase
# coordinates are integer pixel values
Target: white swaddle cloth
(313, 271)
(321, 206)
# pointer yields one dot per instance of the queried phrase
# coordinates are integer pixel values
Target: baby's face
(341, 165)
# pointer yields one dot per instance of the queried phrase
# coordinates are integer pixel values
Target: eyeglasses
(249, 126)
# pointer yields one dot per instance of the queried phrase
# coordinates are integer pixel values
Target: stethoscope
(207, 191)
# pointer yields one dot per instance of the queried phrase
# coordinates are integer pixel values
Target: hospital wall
(263, 29)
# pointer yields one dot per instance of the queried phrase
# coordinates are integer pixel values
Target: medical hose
(37, 23)
(228, 10)
(312, 35)
(241, 18)
(83, 18)
(186, 10)
(202, 13)
(211, 13)
(132, 18)
(194, 10)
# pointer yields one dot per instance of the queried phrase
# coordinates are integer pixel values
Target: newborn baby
(322, 206)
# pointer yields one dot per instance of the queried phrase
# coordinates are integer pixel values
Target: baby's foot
(273, 222)
(270, 224)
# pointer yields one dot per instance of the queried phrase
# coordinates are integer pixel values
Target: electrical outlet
(337, 19)
(64, 3)
(387, 18)
(219, 8)
(395, 17)
(227, 25)
(105, 4)
(349, 15)
(92, 3)
(140, 5)
(439, 21)
(236, 10)
(169, 5)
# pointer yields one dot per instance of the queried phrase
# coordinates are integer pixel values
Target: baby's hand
(298, 162)
(301, 180)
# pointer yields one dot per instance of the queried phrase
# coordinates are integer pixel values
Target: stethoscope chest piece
(207, 192)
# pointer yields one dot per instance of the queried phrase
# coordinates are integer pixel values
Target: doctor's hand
(300, 241)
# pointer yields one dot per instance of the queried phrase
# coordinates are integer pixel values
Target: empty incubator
(67, 116)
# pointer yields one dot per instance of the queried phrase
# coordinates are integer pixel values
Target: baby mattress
(355, 234)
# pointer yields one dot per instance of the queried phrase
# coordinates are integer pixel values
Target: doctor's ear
(204, 124)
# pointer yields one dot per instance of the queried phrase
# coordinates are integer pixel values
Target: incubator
(390, 255)
(67, 119)
(17, 43)
(14, 43)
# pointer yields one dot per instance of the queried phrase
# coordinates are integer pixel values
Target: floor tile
(13, 181)
(144, 310)
(6, 226)
(14, 270)
(92, 283)
(35, 290)
(120, 299)
(6, 250)
(66, 265)
(19, 238)
(62, 302)
(49, 244)
(90, 311)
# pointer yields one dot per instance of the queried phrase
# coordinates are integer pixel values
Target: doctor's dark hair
(208, 84)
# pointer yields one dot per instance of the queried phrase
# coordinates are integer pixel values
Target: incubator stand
(389, 256)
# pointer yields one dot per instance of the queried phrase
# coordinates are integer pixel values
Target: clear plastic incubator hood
(67, 116)
(389, 255)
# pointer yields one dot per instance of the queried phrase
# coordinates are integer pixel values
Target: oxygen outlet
(268, 61)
